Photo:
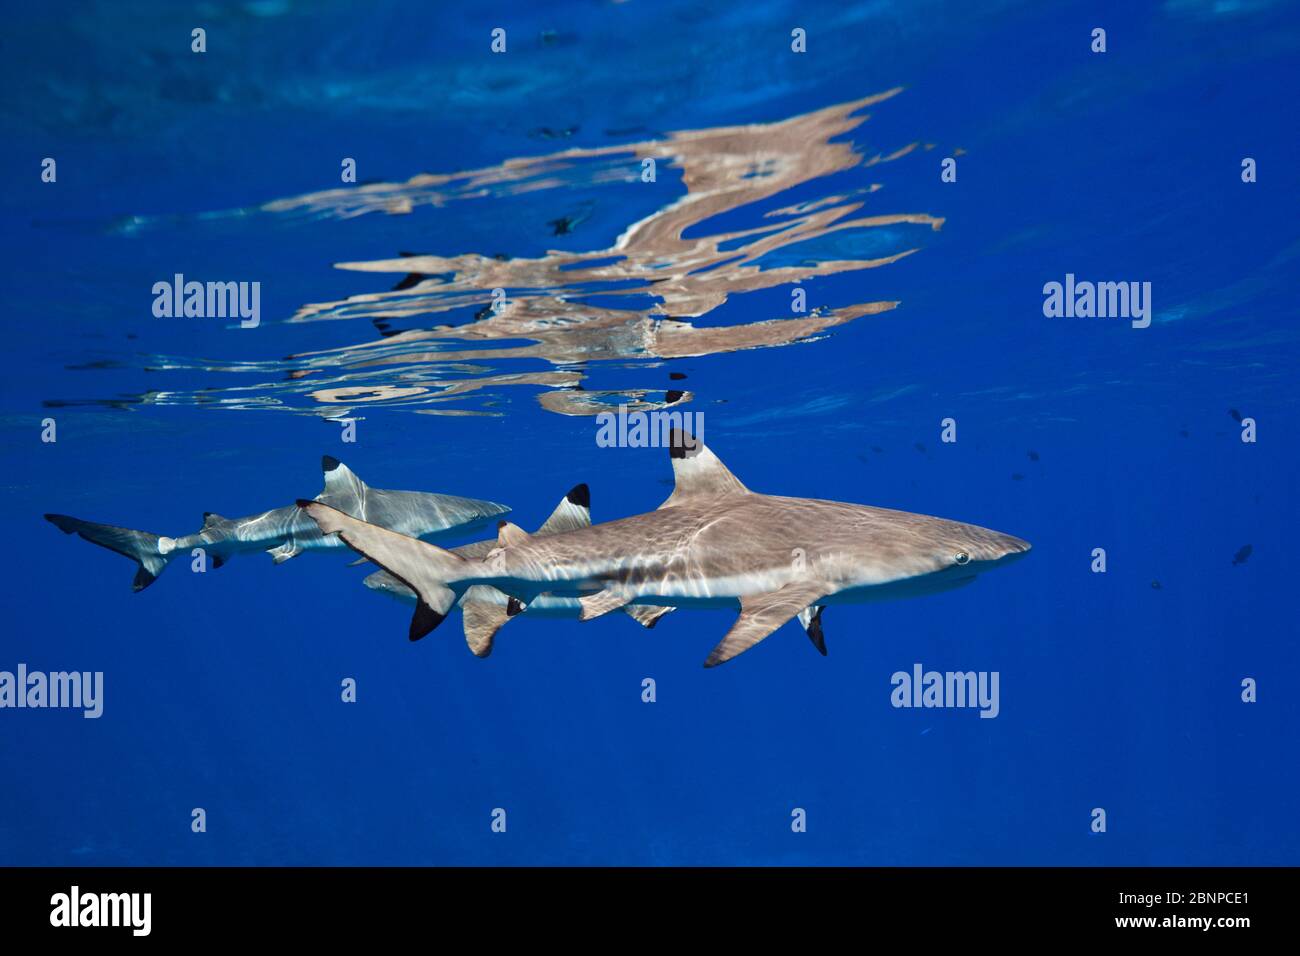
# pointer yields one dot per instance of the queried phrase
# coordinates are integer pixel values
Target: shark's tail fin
(150, 552)
(426, 569)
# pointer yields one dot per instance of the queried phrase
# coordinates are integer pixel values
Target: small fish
(1033, 455)
(1242, 555)
(1236, 415)
(1017, 477)
(1156, 585)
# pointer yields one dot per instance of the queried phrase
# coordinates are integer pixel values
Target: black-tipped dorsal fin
(509, 535)
(698, 472)
(339, 478)
(211, 518)
(573, 512)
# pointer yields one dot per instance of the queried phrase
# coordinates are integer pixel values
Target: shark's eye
(961, 557)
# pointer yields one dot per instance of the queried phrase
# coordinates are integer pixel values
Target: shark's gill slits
(693, 276)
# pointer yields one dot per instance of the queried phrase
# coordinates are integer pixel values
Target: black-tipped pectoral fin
(760, 615)
(811, 619)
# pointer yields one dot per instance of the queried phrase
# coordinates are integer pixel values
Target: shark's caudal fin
(424, 568)
(697, 472)
(150, 552)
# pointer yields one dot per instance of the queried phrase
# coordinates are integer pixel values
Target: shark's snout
(1012, 547)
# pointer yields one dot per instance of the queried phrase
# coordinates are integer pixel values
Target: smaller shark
(286, 532)
(486, 609)
(713, 543)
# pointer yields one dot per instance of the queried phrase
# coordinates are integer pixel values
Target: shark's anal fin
(811, 619)
(647, 615)
(602, 602)
(761, 614)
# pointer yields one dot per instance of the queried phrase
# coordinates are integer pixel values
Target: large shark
(287, 532)
(713, 543)
(487, 608)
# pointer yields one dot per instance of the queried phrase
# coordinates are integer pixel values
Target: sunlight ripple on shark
(713, 543)
(486, 609)
(286, 532)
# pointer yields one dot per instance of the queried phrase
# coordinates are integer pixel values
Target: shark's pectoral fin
(762, 614)
(602, 602)
(283, 552)
(353, 564)
(647, 615)
(811, 619)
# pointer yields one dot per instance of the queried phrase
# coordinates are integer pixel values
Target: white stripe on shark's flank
(486, 610)
(712, 543)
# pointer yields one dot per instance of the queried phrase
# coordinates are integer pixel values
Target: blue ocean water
(523, 171)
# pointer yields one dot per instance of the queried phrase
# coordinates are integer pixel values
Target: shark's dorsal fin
(698, 472)
(573, 512)
(339, 478)
(509, 535)
(211, 518)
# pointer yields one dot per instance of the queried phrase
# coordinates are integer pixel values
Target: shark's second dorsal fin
(509, 535)
(698, 472)
(340, 480)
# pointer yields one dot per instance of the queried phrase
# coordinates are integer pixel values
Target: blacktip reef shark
(487, 608)
(286, 532)
(713, 543)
